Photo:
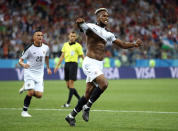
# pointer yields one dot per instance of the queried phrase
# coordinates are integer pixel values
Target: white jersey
(35, 57)
(107, 36)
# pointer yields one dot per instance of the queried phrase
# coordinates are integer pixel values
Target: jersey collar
(36, 45)
(71, 43)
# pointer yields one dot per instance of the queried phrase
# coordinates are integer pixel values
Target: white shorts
(34, 85)
(34, 82)
(92, 68)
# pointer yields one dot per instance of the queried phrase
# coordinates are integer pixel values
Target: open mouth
(106, 21)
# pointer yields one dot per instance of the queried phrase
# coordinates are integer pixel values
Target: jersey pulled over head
(102, 16)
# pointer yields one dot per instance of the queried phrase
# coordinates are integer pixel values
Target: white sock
(71, 116)
(85, 106)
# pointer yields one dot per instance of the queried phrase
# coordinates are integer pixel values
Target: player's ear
(98, 18)
(34, 35)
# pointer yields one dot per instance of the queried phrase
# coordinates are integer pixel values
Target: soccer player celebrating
(71, 50)
(36, 55)
(96, 83)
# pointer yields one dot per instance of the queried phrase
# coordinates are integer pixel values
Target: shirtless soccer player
(96, 83)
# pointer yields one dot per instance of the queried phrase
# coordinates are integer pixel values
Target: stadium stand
(154, 21)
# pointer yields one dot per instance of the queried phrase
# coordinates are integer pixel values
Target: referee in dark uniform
(71, 50)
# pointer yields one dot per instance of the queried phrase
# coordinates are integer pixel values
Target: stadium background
(137, 104)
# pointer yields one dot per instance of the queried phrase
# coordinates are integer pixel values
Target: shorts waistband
(93, 59)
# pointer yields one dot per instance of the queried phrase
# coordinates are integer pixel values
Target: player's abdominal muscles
(99, 52)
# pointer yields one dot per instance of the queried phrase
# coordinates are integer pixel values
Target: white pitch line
(115, 111)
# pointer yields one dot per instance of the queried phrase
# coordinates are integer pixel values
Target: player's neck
(37, 44)
(101, 25)
(71, 43)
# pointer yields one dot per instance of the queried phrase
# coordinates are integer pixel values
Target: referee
(70, 52)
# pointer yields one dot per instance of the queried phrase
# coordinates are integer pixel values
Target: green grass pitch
(127, 105)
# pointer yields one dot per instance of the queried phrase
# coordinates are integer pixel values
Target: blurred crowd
(153, 21)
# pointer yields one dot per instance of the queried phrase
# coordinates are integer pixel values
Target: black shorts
(70, 70)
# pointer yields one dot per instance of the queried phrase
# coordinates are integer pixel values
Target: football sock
(71, 92)
(79, 106)
(94, 96)
(76, 94)
(27, 102)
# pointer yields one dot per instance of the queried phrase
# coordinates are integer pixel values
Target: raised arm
(127, 45)
(79, 21)
(82, 25)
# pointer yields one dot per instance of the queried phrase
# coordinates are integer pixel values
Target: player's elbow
(20, 62)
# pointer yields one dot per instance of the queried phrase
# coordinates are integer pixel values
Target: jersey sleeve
(80, 50)
(47, 52)
(63, 48)
(84, 27)
(26, 51)
(113, 37)
(25, 54)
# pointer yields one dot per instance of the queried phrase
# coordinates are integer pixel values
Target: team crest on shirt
(43, 52)
(28, 84)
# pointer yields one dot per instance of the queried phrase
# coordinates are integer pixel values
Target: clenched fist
(80, 21)
(138, 43)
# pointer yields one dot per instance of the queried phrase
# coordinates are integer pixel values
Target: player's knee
(104, 85)
(39, 96)
(31, 93)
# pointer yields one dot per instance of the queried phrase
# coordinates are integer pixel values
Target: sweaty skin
(95, 46)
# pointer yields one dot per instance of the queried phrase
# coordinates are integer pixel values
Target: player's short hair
(38, 29)
(100, 9)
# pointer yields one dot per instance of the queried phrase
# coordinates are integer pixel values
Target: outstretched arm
(127, 45)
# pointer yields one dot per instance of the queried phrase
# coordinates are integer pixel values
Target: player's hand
(55, 70)
(49, 71)
(26, 66)
(138, 43)
(80, 21)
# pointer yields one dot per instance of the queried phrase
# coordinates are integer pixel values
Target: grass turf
(127, 96)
